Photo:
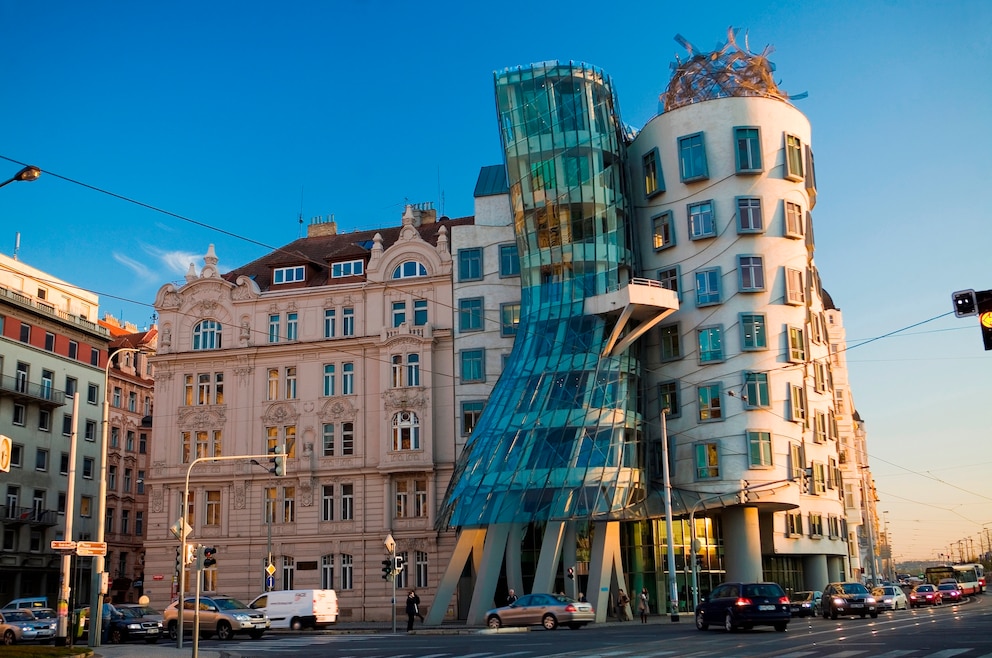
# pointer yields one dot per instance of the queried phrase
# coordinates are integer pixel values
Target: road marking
(947, 653)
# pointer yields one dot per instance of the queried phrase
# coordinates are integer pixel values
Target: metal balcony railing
(22, 389)
(13, 515)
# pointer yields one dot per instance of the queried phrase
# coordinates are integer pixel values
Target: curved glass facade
(561, 436)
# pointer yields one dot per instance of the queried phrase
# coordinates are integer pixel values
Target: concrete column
(743, 543)
(816, 572)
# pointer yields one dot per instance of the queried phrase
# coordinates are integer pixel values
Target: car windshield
(948, 586)
(854, 588)
(767, 590)
(925, 588)
(44, 613)
(17, 615)
(229, 604)
(801, 596)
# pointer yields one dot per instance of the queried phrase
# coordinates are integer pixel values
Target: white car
(890, 597)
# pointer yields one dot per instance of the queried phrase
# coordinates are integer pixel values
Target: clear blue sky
(236, 114)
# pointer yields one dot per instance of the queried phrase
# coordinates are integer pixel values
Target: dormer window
(347, 268)
(293, 274)
(409, 269)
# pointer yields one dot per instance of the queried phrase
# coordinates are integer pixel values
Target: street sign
(270, 582)
(5, 449)
(180, 529)
(271, 570)
(63, 545)
(158, 576)
(84, 548)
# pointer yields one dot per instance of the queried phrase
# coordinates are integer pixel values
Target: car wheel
(780, 627)
(9, 638)
(494, 622)
(173, 630)
(295, 624)
(224, 631)
(115, 636)
(700, 622)
(256, 634)
(874, 615)
(151, 640)
(728, 623)
(550, 622)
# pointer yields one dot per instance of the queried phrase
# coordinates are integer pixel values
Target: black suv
(848, 599)
(745, 605)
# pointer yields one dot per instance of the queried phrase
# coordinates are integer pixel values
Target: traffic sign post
(6, 447)
(63, 545)
(91, 548)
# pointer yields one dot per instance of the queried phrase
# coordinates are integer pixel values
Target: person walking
(644, 605)
(622, 601)
(107, 612)
(412, 609)
(511, 598)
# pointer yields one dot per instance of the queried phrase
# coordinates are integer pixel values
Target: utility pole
(672, 576)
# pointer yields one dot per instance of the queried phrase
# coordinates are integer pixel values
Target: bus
(979, 572)
(965, 575)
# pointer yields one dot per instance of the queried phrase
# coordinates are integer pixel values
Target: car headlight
(838, 601)
(241, 616)
(870, 599)
(133, 627)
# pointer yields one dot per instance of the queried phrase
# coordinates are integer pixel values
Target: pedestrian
(107, 612)
(412, 609)
(511, 598)
(644, 605)
(622, 601)
(582, 597)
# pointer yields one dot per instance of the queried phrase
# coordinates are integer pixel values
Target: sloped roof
(491, 181)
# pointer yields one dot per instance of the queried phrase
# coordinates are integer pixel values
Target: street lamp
(268, 532)
(28, 174)
(390, 544)
(96, 605)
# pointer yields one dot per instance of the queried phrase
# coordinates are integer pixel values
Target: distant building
(51, 349)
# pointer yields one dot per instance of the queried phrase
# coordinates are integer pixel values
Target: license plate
(857, 605)
(152, 631)
(766, 607)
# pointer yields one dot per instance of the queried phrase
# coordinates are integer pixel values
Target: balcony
(639, 305)
(24, 391)
(11, 516)
(46, 308)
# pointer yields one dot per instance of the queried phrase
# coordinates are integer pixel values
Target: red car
(925, 595)
(950, 592)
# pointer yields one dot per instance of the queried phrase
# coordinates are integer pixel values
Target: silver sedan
(548, 610)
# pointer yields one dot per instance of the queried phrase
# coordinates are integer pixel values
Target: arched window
(206, 335)
(406, 372)
(406, 431)
(409, 269)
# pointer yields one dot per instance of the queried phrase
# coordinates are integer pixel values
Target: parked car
(548, 610)
(137, 622)
(890, 597)
(950, 592)
(20, 625)
(848, 599)
(925, 594)
(745, 605)
(30, 602)
(805, 604)
(223, 615)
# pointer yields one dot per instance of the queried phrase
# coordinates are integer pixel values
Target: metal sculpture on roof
(727, 71)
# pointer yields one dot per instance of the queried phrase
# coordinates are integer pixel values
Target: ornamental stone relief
(336, 409)
(239, 495)
(199, 418)
(306, 492)
(405, 398)
(280, 413)
(156, 500)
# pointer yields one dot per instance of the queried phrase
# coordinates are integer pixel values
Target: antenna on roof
(17, 244)
(300, 235)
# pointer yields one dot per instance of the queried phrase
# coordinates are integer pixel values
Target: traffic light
(190, 555)
(278, 460)
(206, 556)
(807, 476)
(984, 303)
(571, 573)
(965, 303)
(179, 559)
(387, 569)
(399, 564)
(745, 494)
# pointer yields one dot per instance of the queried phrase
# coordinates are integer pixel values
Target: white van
(298, 608)
(31, 603)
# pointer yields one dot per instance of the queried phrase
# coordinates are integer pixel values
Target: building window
(141, 482)
(653, 180)
(752, 273)
(327, 572)
(797, 345)
(406, 431)
(470, 314)
(819, 427)
(759, 445)
(139, 523)
(92, 393)
(347, 438)
(26, 333)
(49, 341)
(749, 219)
(663, 230)
(410, 498)
(348, 378)
(754, 332)
(748, 147)
(399, 313)
(347, 502)
(756, 392)
(274, 321)
(669, 279)
(348, 322)
(132, 401)
(292, 326)
(419, 312)
(90, 433)
(288, 572)
(327, 435)
(88, 468)
(288, 514)
(41, 460)
(70, 386)
(347, 571)
(328, 379)
(421, 567)
(473, 365)
(128, 478)
(708, 396)
(409, 270)
(327, 502)
(702, 223)
(116, 401)
(795, 293)
(815, 525)
(94, 356)
(329, 322)
(793, 220)
(509, 319)
(692, 158)
(67, 424)
(207, 335)
(707, 461)
(708, 287)
(668, 393)
(272, 384)
(670, 343)
(64, 464)
(794, 524)
(469, 264)
(74, 349)
(406, 372)
(797, 462)
(112, 477)
(289, 274)
(820, 376)
(291, 383)
(509, 260)
(347, 268)
(115, 437)
(797, 404)
(471, 412)
(710, 343)
(212, 511)
(793, 158)
(269, 505)
(44, 420)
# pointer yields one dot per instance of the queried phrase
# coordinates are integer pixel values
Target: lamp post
(672, 578)
(268, 532)
(96, 583)
(28, 174)
(390, 544)
(70, 497)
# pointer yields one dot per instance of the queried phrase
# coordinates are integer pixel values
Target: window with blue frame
(419, 312)
(509, 260)
(749, 219)
(663, 230)
(702, 222)
(708, 397)
(409, 269)
(509, 319)
(708, 287)
(707, 461)
(288, 274)
(469, 264)
(653, 181)
(473, 365)
(710, 343)
(207, 335)
(752, 273)
(399, 313)
(754, 332)
(668, 393)
(470, 314)
(747, 141)
(670, 344)
(756, 391)
(669, 278)
(692, 158)
(759, 448)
